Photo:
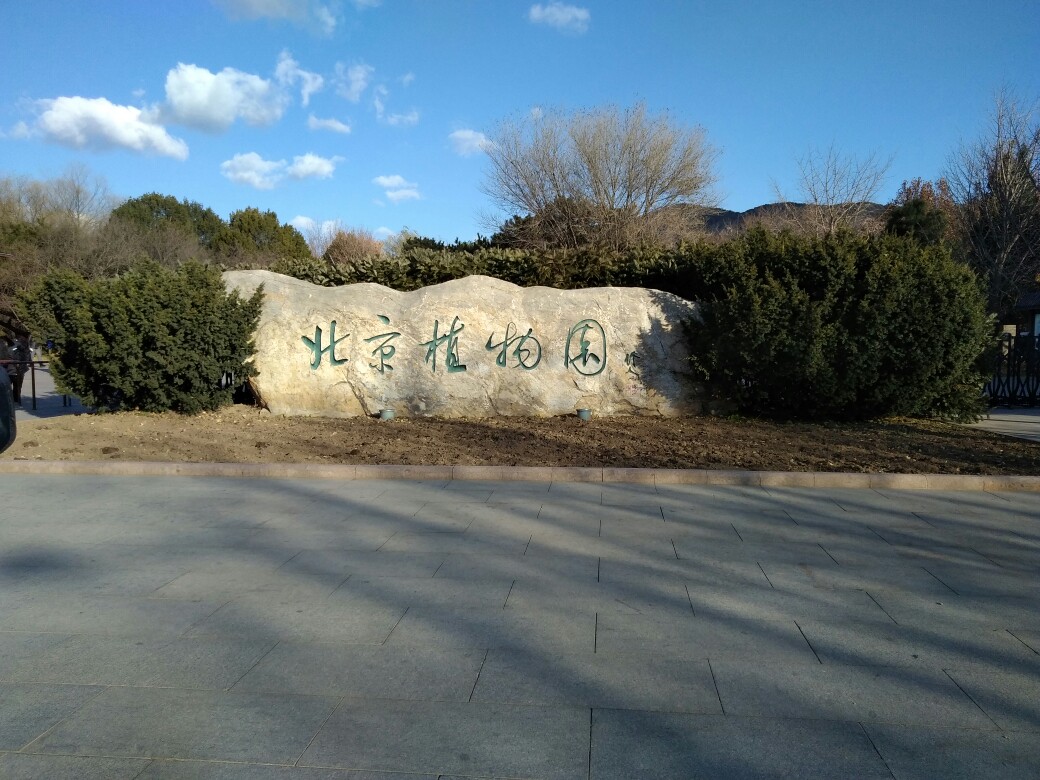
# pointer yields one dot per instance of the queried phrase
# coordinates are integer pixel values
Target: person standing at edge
(23, 355)
(6, 361)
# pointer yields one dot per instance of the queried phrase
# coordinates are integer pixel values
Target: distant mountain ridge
(717, 220)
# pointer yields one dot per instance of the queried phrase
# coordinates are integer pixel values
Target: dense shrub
(152, 339)
(420, 264)
(840, 327)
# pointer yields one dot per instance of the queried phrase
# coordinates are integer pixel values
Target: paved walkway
(1021, 423)
(184, 627)
(49, 402)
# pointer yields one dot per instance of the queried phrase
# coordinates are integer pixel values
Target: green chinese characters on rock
(586, 350)
(450, 342)
(384, 350)
(526, 349)
(318, 351)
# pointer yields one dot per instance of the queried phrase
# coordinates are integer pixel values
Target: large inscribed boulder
(473, 347)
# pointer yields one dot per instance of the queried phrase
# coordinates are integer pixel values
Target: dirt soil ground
(242, 434)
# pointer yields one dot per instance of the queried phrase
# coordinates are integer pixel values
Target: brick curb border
(803, 479)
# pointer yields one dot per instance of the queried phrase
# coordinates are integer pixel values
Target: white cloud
(392, 181)
(382, 232)
(317, 16)
(396, 196)
(537, 113)
(567, 18)
(306, 225)
(96, 123)
(311, 166)
(380, 93)
(327, 124)
(254, 170)
(407, 78)
(325, 20)
(351, 82)
(363, 4)
(397, 188)
(411, 118)
(20, 130)
(288, 72)
(213, 101)
(469, 142)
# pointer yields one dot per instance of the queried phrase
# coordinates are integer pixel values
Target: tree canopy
(153, 210)
(605, 178)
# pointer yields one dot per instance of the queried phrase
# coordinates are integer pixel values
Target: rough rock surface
(473, 347)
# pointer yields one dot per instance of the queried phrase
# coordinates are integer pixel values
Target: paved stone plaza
(184, 627)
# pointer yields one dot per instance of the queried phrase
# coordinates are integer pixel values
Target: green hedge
(420, 266)
(152, 339)
(843, 327)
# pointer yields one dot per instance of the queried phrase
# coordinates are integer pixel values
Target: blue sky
(370, 111)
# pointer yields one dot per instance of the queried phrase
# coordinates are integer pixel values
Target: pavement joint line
(871, 741)
(871, 596)
(818, 659)
(660, 477)
(941, 582)
(716, 684)
(476, 682)
(771, 585)
(1016, 636)
(972, 700)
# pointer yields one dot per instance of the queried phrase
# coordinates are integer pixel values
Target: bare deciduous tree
(836, 192)
(350, 246)
(607, 177)
(78, 197)
(81, 197)
(995, 181)
(320, 235)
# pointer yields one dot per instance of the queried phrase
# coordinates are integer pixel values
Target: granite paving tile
(762, 602)
(665, 746)
(905, 577)
(699, 573)
(28, 710)
(394, 672)
(424, 592)
(987, 580)
(850, 642)
(543, 630)
(447, 738)
(18, 766)
(559, 568)
(642, 682)
(173, 723)
(20, 647)
(954, 611)
(1008, 696)
(650, 597)
(453, 543)
(345, 538)
(790, 553)
(326, 620)
(701, 637)
(106, 615)
(892, 694)
(105, 660)
(926, 753)
(197, 770)
(234, 580)
(343, 563)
